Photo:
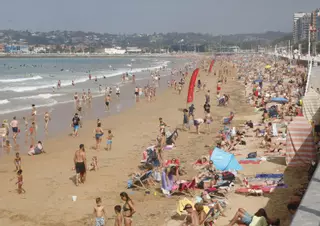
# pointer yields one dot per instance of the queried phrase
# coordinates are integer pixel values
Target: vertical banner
(192, 85)
(211, 65)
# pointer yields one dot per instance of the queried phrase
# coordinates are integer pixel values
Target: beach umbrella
(279, 100)
(224, 161)
(268, 66)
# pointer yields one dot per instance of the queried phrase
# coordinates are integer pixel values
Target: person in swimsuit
(118, 91)
(99, 213)
(15, 129)
(89, 95)
(17, 161)
(162, 125)
(80, 162)
(75, 124)
(20, 182)
(109, 140)
(128, 209)
(47, 118)
(33, 112)
(75, 96)
(108, 100)
(98, 135)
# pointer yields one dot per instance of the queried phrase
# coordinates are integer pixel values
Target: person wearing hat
(193, 218)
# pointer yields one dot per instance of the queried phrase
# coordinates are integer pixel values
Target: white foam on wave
(20, 79)
(4, 101)
(20, 89)
(40, 96)
(25, 108)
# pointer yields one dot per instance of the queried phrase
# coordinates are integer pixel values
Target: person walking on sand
(118, 220)
(46, 118)
(80, 162)
(75, 124)
(107, 101)
(109, 140)
(20, 182)
(98, 135)
(99, 213)
(14, 125)
(128, 209)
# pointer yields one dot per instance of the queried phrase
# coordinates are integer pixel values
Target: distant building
(303, 26)
(133, 50)
(115, 51)
(295, 31)
(16, 49)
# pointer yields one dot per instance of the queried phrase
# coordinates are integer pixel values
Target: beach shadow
(178, 217)
(279, 160)
(73, 179)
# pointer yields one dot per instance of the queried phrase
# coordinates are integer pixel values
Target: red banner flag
(192, 85)
(211, 65)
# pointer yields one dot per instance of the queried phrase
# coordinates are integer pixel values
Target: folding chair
(141, 179)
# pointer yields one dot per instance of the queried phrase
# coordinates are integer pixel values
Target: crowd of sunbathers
(215, 184)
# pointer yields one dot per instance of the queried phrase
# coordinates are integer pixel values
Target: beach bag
(252, 155)
(228, 176)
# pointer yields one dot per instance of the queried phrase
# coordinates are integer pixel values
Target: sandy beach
(48, 178)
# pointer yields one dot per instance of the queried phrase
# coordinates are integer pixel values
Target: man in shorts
(80, 162)
(75, 124)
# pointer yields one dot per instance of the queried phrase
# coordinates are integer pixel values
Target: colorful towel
(250, 161)
(266, 176)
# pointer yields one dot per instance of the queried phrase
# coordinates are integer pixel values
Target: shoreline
(18, 56)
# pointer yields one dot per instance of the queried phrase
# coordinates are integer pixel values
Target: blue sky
(148, 16)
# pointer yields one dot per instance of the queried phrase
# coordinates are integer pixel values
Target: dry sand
(48, 177)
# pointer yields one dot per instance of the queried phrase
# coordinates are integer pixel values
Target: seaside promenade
(309, 211)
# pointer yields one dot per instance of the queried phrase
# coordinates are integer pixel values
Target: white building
(133, 50)
(115, 51)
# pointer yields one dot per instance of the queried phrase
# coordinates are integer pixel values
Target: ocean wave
(20, 89)
(39, 96)
(25, 108)
(20, 79)
(4, 101)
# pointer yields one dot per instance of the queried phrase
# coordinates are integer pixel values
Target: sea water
(28, 81)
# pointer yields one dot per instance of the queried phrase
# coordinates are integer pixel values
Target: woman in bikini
(128, 209)
(98, 135)
(47, 118)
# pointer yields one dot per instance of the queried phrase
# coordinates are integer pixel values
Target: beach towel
(164, 185)
(183, 202)
(249, 161)
(279, 175)
(258, 221)
(274, 130)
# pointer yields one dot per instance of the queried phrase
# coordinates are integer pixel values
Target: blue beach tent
(279, 100)
(224, 161)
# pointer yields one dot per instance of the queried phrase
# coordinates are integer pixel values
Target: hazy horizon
(142, 16)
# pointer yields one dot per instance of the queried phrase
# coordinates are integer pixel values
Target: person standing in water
(118, 91)
(89, 96)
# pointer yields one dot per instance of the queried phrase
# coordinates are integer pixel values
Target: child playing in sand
(17, 161)
(7, 146)
(118, 219)
(20, 182)
(109, 140)
(99, 212)
(94, 164)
